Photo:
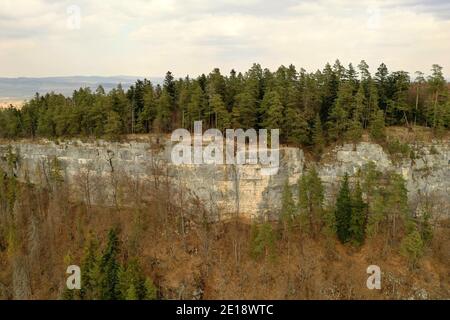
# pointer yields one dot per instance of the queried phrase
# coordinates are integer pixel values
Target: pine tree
(216, 84)
(355, 130)
(361, 103)
(351, 77)
(113, 127)
(331, 78)
(412, 246)
(223, 118)
(163, 113)
(343, 211)
(287, 207)
(339, 116)
(317, 136)
(296, 127)
(297, 130)
(148, 114)
(358, 219)
(370, 184)
(303, 204)
(262, 243)
(377, 215)
(119, 104)
(437, 84)
(245, 110)
(399, 106)
(377, 130)
(272, 109)
(310, 201)
(196, 106)
(397, 204)
(426, 229)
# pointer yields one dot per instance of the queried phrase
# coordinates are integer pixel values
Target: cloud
(192, 36)
(438, 8)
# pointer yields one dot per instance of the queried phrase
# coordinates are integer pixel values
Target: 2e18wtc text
(227, 309)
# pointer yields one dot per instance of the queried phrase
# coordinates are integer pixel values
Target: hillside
(168, 232)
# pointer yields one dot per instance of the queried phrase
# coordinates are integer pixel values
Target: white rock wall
(226, 189)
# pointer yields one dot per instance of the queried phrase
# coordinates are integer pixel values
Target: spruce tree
(131, 293)
(132, 281)
(91, 276)
(169, 86)
(358, 220)
(343, 211)
(109, 267)
(151, 292)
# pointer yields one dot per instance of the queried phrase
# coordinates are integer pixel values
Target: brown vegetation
(185, 254)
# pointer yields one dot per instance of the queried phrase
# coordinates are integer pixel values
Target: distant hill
(16, 89)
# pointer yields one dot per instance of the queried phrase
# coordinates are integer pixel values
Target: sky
(190, 37)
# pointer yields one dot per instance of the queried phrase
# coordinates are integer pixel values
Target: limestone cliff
(228, 189)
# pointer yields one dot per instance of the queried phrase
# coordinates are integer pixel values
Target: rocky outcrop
(233, 189)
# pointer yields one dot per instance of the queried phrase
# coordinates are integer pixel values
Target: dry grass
(215, 257)
(415, 134)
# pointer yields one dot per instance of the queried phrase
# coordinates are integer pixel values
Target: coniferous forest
(309, 108)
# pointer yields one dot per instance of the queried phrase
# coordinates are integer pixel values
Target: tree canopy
(310, 109)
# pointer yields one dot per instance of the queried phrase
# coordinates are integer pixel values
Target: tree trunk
(417, 106)
(435, 108)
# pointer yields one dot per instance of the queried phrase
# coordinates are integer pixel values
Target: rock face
(231, 189)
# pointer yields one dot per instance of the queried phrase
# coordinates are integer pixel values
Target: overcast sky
(149, 37)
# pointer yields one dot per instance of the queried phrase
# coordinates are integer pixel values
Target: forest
(161, 247)
(310, 109)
